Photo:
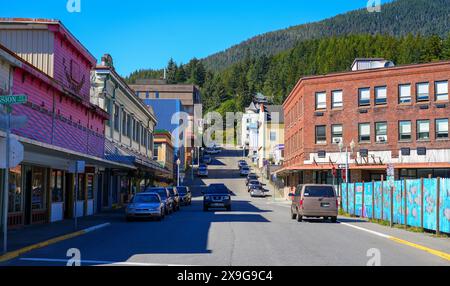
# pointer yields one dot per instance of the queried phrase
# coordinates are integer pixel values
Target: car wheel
(334, 219)
(293, 215)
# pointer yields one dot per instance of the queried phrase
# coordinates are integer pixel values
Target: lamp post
(192, 164)
(178, 172)
(341, 147)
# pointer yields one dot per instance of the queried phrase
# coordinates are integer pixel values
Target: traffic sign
(13, 99)
(16, 151)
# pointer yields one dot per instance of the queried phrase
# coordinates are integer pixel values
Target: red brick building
(394, 115)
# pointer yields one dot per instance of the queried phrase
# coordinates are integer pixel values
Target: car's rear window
(182, 190)
(319, 191)
(161, 191)
(245, 168)
(140, 199)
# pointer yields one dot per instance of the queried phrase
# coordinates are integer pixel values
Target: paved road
(255, 232)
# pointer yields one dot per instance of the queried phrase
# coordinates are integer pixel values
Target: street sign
(16, 151)
(342, 166)
(13, 99)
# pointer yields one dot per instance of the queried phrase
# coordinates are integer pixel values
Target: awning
(45, 154)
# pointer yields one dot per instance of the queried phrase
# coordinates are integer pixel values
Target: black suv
(216, 196)
(176, 198)
(251, 177)
(185, 195)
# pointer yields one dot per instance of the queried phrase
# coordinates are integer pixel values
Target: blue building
(164, 110)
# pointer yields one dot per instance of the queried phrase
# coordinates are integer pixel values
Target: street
(258, 231)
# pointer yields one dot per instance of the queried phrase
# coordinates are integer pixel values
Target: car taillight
(301, 203)
(337, 203)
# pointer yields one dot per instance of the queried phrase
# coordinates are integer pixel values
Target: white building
(249, 134)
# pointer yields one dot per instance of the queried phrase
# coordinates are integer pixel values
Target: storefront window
(37, 188)
(90, 186)
(81, 188)
(15, 190)
(56, 185)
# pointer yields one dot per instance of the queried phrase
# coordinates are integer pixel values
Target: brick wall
(300, 129)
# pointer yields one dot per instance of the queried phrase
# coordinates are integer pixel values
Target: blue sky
(146, 33)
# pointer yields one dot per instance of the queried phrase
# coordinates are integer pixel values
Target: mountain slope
(397, 18)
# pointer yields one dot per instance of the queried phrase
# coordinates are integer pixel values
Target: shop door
(99, 191)
(28, 194)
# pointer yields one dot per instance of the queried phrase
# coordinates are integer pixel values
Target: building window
(273, 136)
(133, 129)
(81, 195)
(423, 129)
(364, 96)
(442, 128)
(441, 90)
(404, 130)
(321, 134)
(124, 123)
(138, 132)
(336, 99)
(90, 186)
(321, 100)
(116, 117)
(56, 185)
(15, 189)
(381, 132)
(364, 132)
(108, 110)
(423, 91)
(336, 133)
(380, 95)
(404, 93)
(129, 125)
(150, 141)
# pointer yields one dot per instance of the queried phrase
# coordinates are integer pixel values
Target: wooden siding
(34, 46)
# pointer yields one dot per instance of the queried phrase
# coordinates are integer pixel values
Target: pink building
(43, 60)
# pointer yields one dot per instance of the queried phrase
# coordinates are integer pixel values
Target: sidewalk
(30, 235)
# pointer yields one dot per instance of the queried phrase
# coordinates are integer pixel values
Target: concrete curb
(13, 254)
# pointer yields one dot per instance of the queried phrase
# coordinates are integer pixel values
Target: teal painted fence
(419, 203)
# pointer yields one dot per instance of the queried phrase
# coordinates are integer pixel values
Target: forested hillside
(398, 18)
(275, 73)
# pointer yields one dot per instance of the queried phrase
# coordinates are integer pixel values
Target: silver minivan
(311, 200)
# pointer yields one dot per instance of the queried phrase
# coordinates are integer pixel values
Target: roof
(359, 72)
(53, 22)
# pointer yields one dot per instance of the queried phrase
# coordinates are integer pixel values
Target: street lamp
(352, 147)
(178, 172)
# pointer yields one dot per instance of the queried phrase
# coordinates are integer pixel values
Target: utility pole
(6, 178)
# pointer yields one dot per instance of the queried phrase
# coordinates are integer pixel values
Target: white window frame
(404, 98)
(334, 102)
(377, 96)
(364, 132)
(420, 96)
(441, 93)
(421, 124)
(401, 133)
(362, 91)
(336, 134)
(444, 129)
(378, 136)
(321, 100)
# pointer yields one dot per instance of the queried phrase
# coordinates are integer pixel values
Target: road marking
(435, 252)
(125, 263)
(18, 252)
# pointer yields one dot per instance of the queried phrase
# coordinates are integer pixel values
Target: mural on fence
(414, 208)
(407, 199)
(444, 214)
(378, 189)
(429, 201)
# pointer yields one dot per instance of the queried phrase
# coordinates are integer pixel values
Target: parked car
(202, 170)
(253, 183)
(145, 205)
(185, 195)
(207, 159)
(242, 163)
(212, 150)
(314, 201)
(250, 177)
(257, 191)
(165, 197)
(216, 196)
(175, 197)
(244, 171)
